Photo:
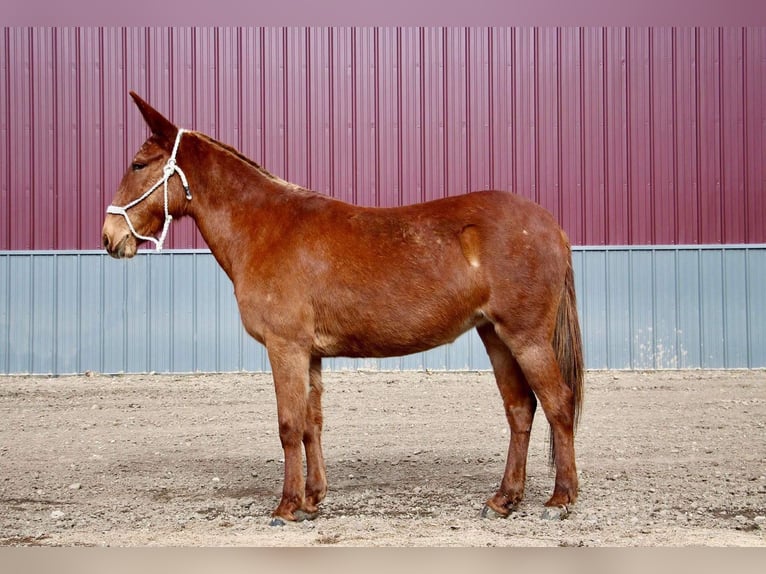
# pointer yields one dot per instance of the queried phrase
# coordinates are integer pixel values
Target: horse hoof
(276, 521)
(555, 513)
(301, 515)
(490, 513)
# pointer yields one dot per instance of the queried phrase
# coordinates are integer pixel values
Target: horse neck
(233, 199)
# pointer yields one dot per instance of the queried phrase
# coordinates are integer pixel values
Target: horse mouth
(125, 249)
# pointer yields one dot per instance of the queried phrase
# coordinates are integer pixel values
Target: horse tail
(567, 345)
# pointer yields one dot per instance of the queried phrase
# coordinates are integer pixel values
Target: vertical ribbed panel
(660, 308)
(628, 135)
(640, 308)
(754, 282)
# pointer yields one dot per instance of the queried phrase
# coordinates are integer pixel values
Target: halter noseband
(168, 170)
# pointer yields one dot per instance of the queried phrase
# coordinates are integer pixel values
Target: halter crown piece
(167, 172)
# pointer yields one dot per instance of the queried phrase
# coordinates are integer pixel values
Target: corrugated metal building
(646, 143)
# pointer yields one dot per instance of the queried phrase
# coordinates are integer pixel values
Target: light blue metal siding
(160, 331)
(689, 301)
(734, 306)
(664, 318)
(640, 308)
(205, 343)
(183, 313)
(5, 314)
(43, 313)
(617, 331)
(713, 320)
(594, 308)
(91, 314)
(756, 285)
(110, 283)
(136, 301)
(67, 289)
(20, 315)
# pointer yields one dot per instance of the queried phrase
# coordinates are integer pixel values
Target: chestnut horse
(316, 277)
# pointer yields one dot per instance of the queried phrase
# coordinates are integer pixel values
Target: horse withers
(316, 277)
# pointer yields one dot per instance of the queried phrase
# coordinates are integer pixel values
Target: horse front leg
(290, 369)
(316, 479)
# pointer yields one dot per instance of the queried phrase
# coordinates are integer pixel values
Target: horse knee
(291, 432)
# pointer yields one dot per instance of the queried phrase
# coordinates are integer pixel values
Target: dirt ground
(665, 458)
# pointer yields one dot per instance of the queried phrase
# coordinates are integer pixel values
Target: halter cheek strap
(167, 172)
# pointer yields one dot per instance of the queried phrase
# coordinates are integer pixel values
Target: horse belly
(399, 331)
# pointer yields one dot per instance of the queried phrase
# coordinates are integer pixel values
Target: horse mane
(239, 155)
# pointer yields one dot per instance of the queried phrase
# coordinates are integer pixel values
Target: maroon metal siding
(628, 135)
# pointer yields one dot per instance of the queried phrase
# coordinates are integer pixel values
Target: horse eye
(137, 166)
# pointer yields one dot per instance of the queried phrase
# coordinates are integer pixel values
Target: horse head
(148, 195)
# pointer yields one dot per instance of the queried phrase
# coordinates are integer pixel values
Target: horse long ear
(158, 124)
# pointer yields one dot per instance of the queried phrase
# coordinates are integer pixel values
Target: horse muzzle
(119, 243)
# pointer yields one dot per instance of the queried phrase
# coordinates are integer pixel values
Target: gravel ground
(672, 458)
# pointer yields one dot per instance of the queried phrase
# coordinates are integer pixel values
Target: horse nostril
(106, 241)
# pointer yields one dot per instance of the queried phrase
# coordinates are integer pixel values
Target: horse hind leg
(538, 362)
(520, 403)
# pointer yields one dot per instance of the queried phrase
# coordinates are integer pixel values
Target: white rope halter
(167, 172)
